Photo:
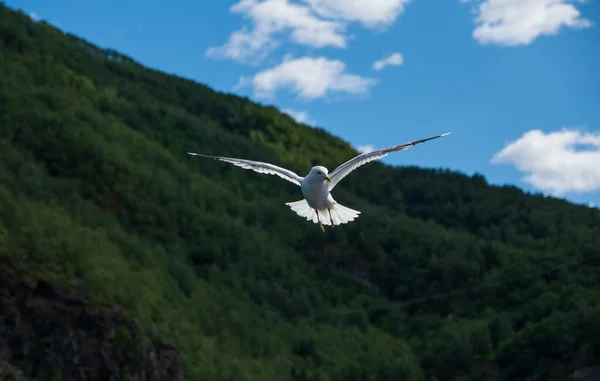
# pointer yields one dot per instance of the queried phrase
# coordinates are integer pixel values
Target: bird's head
(319, 173)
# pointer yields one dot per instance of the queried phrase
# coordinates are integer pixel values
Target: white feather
(340, 214)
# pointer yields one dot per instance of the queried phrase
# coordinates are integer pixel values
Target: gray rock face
(46, 332)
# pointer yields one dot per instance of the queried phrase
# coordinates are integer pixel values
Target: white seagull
(318, 205)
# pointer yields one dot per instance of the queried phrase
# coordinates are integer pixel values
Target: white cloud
(394, 59)
(365, 148)
(308, 77)
(371, 13)
(270, 18)
(520, 22)
(558, 162)
(312, 23)
(34, 16)
(299, 116)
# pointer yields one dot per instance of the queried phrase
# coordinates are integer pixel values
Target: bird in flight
(318, 205)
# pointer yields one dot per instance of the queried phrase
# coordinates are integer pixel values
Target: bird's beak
(328, 179)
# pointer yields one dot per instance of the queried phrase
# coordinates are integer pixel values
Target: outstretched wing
(258, 166)
(343, 170)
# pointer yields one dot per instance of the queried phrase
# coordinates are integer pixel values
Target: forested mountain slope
(442, 275)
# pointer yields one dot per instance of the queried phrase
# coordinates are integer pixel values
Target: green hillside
(441, 276)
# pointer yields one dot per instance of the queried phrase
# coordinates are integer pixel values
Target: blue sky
(516, 82)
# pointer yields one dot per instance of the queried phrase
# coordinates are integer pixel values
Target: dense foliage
(441, 276)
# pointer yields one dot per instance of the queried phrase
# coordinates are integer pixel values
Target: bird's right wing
(344, 169)
(257, 166)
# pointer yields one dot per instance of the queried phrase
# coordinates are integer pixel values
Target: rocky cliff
(49, 333)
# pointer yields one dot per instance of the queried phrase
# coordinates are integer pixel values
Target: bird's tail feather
(336, 215)
(303, 210)
(341, 214)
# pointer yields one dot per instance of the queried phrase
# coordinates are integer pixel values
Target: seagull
(318, 205)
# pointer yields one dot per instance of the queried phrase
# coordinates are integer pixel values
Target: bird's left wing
(257, 166)
(344, 169)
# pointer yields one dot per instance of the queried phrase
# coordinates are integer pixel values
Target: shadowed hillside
(442, 276)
